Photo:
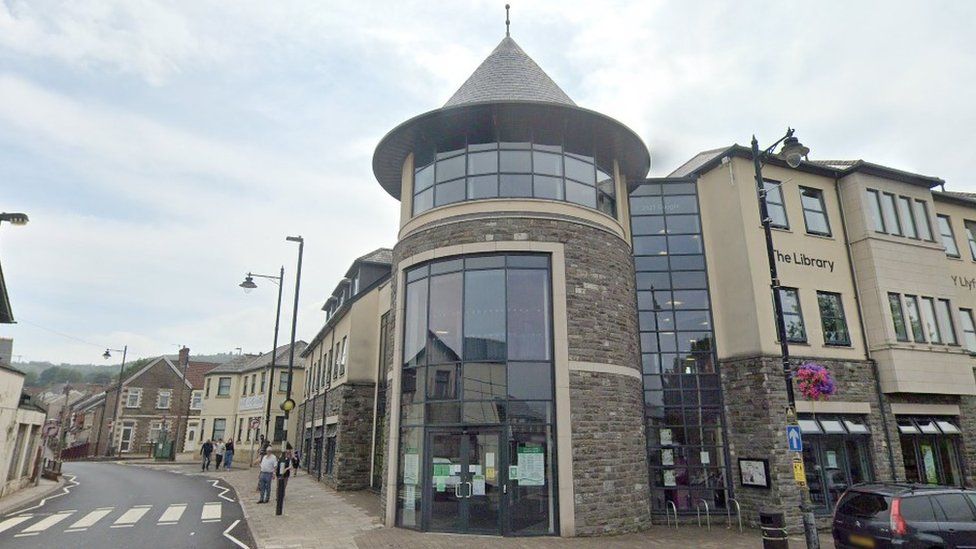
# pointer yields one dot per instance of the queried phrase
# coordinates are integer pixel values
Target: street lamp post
(118, 396)
(249, 285)
(6, 313)
(793, 153)
(288, 405)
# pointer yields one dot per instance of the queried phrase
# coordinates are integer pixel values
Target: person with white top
(268, 464)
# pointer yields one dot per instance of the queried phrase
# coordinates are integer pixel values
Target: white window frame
(155, 427)
(196, 400)
(230, 386)
(345, 355)
(968, 329)
(133, 392)
(948, 240)
(168, 393)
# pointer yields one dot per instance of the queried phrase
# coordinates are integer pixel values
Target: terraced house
(341, 414)
(249, 387)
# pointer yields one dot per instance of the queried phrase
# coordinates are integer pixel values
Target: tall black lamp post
(288, 404)
(6, 313)
(110, 447)
(249, 285)
(793, 153)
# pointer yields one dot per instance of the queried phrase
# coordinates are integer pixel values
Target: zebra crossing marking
(44, 524)
(132, 516)
(211, 512)
(172, 514)
(11, 522)
(90, 519)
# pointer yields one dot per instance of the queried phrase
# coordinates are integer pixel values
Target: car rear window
(917, 509)
(955, 507)
(864, 505)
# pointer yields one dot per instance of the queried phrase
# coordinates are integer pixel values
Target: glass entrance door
(463, 487)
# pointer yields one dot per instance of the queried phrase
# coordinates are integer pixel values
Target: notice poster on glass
(666, 439)
(411, 469)
(478, 485)
(532, 466)
(409, 497)
(669, 477)
(667, 456)
(831, 459)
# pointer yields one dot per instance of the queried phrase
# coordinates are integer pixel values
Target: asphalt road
(114, 505)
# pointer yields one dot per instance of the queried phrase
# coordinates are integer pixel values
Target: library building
(568, 347)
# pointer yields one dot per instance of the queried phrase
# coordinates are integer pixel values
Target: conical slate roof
(508, 74)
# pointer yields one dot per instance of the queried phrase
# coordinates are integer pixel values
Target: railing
(667, 514)
(75, 452)
(708, 521)
(738, 513)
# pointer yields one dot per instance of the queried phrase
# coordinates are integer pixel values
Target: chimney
(184, 356)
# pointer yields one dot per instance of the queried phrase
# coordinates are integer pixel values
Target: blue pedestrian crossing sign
(793, 438)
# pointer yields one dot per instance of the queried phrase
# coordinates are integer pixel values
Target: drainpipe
(864, 334)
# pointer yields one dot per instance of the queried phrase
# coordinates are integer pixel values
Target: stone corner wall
(609, 454)
(755, 403)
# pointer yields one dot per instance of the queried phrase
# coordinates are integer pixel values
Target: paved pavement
(315, 516)
(116, 505)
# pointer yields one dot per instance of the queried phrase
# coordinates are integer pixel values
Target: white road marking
(215, 484)
(232, 538)
(64, 490)
(211, 512)
(47, 522)
(91, 518)
(10, 523)
(131, 516)
(172, 514)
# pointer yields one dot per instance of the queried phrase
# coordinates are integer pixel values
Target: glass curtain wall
(477, 352)
(687, 453)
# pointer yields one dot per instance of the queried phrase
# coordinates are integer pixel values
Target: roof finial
(507, 22)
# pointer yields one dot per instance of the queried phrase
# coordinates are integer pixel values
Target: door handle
(470, 489)
(456, 491)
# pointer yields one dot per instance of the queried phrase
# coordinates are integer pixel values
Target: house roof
(508, 74)
(246, 363)
(957, 197)
(509, 92)
(382, 256)
(152, 363)
(708, 160)
(195, 371)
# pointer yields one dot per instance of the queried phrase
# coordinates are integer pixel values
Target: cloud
(165, 148)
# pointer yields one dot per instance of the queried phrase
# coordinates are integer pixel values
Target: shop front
(930, 447)
(477, 447)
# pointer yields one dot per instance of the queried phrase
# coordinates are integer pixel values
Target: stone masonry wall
(609, 454)
(755, 404)
(602, 328)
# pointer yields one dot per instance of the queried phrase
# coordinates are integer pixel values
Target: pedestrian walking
(262, 451)
(206, 450)
(295, 461)
(229, 454)
(219, 452)
(268, 463)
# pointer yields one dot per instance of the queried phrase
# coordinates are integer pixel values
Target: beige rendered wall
(886, 263)
(738, 266)
(221, 407)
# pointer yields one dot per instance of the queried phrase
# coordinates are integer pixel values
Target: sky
(164, 149)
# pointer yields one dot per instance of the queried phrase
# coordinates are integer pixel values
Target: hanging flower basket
(815, 381)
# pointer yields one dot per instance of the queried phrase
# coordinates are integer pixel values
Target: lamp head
(106, 355)
(288, 405)
(14, 218)
(793, 152)
(248, 284)
(294, 239)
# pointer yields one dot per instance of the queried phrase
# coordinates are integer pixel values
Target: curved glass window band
(513, 170)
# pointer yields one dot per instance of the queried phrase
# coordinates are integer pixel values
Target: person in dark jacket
(228, 453)
(206, 450)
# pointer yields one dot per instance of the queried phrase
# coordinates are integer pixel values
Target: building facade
(577, 349)
(21, 422)
(242, 398)
(152, 401)
(341, 414)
